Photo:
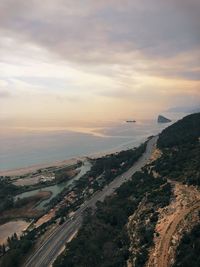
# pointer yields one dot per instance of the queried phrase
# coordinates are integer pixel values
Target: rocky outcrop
(162, 119)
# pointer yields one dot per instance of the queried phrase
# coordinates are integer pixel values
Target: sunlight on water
(23, 147)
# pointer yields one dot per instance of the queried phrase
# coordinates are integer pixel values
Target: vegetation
(7, 191)
(102, 172)
(61, 174)
(188, 250)
(103, 240)
(19, 247)
(182, 132)
(65, 173)
(119, 161)
(100, 166)
(105, 169)
(180, 145)
(181, 164)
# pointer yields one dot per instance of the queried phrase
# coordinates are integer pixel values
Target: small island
(162, 119)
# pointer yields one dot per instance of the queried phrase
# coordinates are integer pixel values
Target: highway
(46, 254)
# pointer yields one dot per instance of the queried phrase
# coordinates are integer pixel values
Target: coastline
(33, 168)
(67, 162)
(14, 164)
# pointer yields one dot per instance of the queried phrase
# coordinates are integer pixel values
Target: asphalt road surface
(46, 254)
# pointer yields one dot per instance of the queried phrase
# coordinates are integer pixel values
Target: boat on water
(130, 121)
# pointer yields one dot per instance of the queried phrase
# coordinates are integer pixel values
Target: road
(45, 255)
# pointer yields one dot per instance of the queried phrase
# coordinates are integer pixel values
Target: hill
(179, 162)
(180, 148)
(124, 227)
(184, 131)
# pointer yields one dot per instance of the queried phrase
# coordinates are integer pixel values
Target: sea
(29, 148)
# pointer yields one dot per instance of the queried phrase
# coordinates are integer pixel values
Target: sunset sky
(86, 60)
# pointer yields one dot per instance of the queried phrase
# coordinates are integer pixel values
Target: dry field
(27, 209)
(8, 229)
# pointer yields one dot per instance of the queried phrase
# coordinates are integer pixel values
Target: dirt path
(187, 202)
(163, 259)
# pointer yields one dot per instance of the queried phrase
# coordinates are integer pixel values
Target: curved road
(45, 255)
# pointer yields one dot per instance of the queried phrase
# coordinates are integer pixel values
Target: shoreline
(36, 167)
(67, 162)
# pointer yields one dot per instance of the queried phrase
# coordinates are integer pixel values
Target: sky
(80, 62)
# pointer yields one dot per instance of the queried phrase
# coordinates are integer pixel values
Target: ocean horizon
(25, 149)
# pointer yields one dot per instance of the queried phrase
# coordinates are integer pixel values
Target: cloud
(90, 32)
(4, 94)
(95, 55)
(145, 37)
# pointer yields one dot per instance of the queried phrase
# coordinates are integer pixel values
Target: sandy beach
(33, 168)
(67, 162)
